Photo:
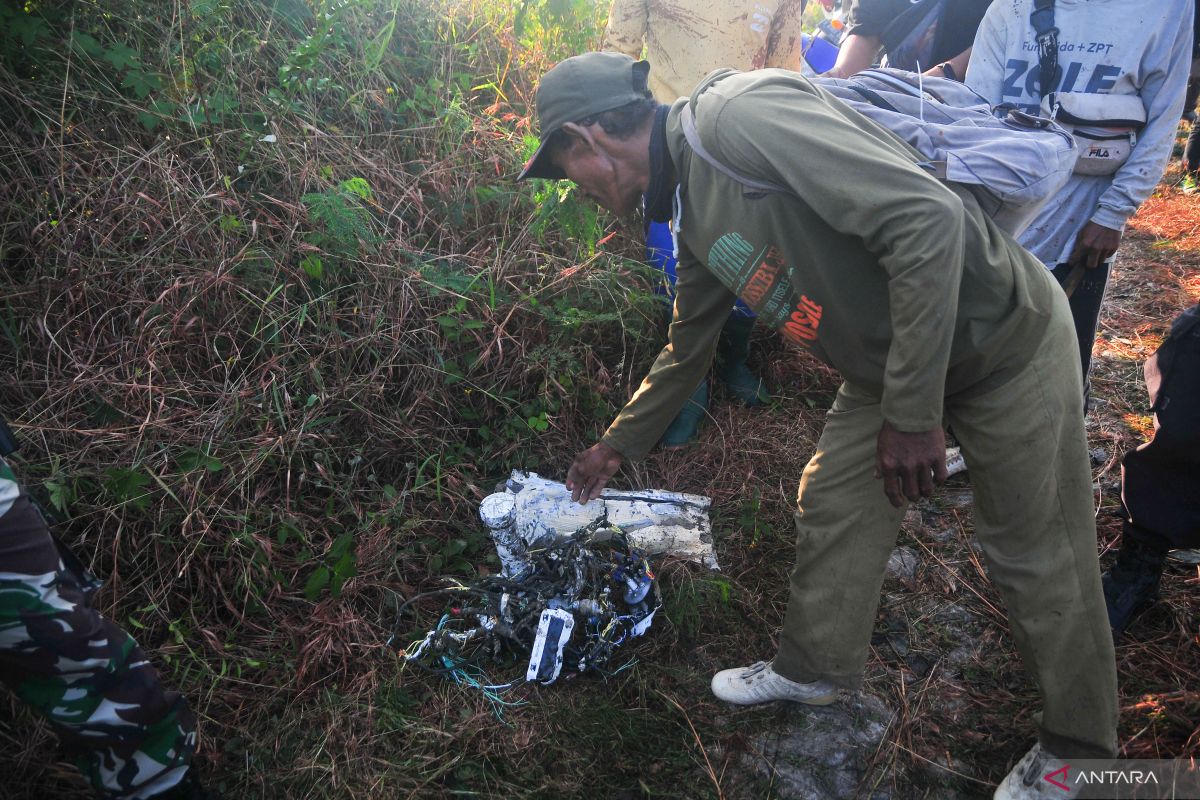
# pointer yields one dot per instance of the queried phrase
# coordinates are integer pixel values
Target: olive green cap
(580, 87)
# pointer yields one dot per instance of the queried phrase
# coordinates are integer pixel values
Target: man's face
(599, 171)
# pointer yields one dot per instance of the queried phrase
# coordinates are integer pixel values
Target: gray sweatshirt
(1105, 47)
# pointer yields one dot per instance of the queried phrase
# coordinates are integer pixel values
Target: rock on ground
(903, 563)
(823, 752)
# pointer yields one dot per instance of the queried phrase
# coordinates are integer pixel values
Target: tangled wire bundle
(594, 575)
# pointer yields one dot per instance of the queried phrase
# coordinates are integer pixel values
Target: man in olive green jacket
(931, 313)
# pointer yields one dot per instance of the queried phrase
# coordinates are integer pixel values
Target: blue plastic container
(820, 54)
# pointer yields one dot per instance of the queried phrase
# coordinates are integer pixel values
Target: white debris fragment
(644, 625)
(498, 512)
(657, 522)
(546, 656)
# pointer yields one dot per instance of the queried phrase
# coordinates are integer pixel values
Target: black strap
(687, 120)
(1042, 19)
(874, 98)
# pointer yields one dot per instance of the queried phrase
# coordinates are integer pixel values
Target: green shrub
(277, 316)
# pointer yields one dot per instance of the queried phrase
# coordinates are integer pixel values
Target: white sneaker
(955, 463)
(759, 683)
(1039, 775)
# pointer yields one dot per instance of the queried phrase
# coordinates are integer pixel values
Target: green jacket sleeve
(863, 182)
(702, 305)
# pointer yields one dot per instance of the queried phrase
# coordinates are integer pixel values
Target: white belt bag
(1105, 127)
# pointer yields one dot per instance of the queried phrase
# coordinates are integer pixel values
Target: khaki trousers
(1025, 446)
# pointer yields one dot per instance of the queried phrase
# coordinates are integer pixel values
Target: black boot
(1132, 582)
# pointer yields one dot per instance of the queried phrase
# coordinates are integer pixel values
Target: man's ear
(579, 135)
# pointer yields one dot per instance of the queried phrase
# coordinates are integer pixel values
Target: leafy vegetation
(282, 315)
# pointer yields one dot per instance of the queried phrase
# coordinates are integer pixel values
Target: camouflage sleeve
(130, 738)
(626, 29)
(8, 488)
(783, 49)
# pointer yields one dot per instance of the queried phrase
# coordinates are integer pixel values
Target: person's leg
(845, 531)
(1189, 182)
(1191, 150)
(130, 738)
(1160, 480)
(1085, 302)
(1160, 489)
(1190, 96)
(733, 349)
(1133, 580)
(1034, 516)
(686, 426)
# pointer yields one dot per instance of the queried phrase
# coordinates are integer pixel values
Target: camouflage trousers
(86, 675)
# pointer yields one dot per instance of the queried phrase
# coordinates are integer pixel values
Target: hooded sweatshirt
(898, 281)
(1138, 48)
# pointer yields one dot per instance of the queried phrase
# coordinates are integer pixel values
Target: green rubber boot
(683, 429)
(732, 350)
